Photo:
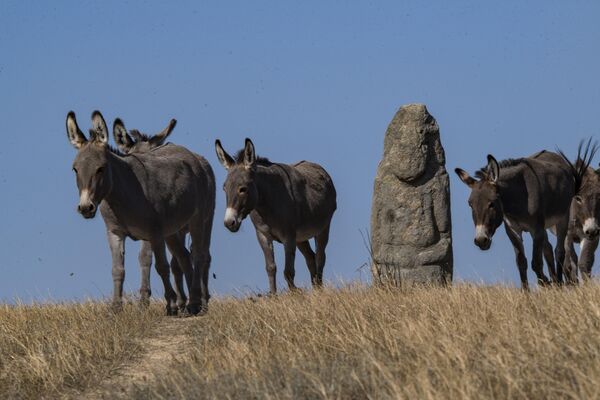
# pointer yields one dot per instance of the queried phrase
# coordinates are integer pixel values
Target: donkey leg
(117, 250)
(199, 294)
(289, 272)
(537, 262)
(570, 263)
(320, 244)
(559, 252)
(145, 259)
(180, 258)
(586, 258)
(309, 256)
(162, 267)
(266, 245)
(516, 239)
(549, 257)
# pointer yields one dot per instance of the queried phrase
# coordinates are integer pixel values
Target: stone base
(422, 275)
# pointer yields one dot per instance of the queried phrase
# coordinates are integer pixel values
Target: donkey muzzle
(591, 228)
(482, 239)
(232, 220)
(87, 210)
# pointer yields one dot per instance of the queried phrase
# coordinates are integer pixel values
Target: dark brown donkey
(287, 203)
(149, 196)
(529, 195)
(136, 142)
(584, 215)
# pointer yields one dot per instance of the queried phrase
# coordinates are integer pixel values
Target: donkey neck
(126, 191)
(275, 188)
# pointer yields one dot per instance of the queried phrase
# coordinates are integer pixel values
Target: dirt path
(168, 342)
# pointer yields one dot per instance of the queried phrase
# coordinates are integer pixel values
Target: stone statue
(411, 230)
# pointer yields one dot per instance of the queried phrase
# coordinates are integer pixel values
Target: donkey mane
(482, 173)
(239, 159)
(584, 159)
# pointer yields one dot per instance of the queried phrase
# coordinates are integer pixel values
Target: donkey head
(91, 166)
(585, 207)
(136, 142)
(484, 201)
(240, 187)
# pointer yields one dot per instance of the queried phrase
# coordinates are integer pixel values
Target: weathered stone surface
(411, 231)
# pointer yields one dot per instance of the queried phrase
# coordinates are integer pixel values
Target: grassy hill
(356, 342)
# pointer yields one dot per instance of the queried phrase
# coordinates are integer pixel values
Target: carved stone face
(411, 140)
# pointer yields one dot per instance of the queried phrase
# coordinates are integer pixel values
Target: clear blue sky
(316, 80)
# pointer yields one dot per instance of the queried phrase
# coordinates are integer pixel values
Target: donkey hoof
(116, 307)
(171, 311)
(197, 309)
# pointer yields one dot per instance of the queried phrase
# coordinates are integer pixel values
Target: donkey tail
(585, 154)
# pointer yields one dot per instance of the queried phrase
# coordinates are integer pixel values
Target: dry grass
(357, 342)
(48, 351)
(354, 343)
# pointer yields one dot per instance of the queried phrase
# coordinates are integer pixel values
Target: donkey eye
(100, 170)
(242, 190)
(578, 199)
(470, 204)
(491, 205)
(74, 169)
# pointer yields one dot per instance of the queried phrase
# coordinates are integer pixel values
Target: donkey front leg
(266, 244)
(517, 241)
(145, 259)
(570, 263)
(289, 271)
(586, 258)
(549, 257)
(162, 267)
(537, 261)
(117, 250)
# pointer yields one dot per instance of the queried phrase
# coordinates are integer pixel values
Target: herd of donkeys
(159, 192)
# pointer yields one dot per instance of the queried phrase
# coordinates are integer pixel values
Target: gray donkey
(137, 142)
(287, 203)
(529, 195)
(584, 215)
(149, 196)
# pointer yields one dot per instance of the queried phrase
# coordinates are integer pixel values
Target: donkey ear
(160, 137)
(122, 139)
(224, 158)
(249, 154)
(465, 177)
(493, 168)
(74, 134)
(99, 129)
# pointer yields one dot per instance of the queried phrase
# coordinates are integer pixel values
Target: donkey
(149, 196)
(529, 195)
(584, 215)
(137, 142)
(287, 203)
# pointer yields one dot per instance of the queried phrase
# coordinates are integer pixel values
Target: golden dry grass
(352, 343)
(49, 351)
(464, 342)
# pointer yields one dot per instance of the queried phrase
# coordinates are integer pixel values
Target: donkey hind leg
(199, 294)
(117, 250)
(516, 239)
(549, 257)
(162, 267)
(181, 264)
(145, 259)
(537, 263)
(586, 258)
(311, 263)
(266, 245)
(320, 244)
